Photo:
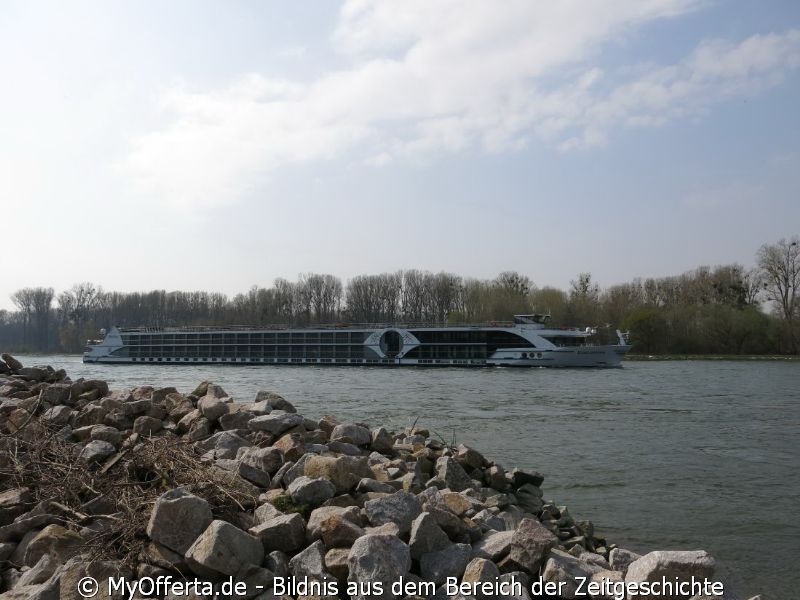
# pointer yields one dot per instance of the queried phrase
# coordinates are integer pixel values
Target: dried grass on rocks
(130, 480)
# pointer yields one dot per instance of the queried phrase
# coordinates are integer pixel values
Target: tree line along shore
(721, 310)
(154, 485)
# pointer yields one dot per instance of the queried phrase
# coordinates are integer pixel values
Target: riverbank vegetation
(721, 310)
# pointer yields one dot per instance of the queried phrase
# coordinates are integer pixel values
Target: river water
(659, 455)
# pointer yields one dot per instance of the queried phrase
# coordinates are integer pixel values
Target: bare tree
(780, 269)
(584, 298)
(42, 300)
(446, 291)
(23, 300)
(753, 284)
(514, 283)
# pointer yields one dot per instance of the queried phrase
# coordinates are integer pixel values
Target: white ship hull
(595, 356)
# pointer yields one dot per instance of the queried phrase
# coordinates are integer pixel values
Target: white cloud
(426, 78)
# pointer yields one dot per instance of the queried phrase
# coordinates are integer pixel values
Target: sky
(200, 145)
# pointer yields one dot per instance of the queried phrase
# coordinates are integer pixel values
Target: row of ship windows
(247, 338)
(368, 361)
(426, 352)
(269, 351)
(276, 360)
(333, 337)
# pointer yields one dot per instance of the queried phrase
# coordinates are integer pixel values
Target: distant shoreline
(663, 357)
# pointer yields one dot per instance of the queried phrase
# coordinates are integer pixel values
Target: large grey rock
(255, 579)
(460, 504)
(620, 559)
(286, 533)
(310, 563)
(312, 492)
(450, 562)
(565, 569)
(22, 526)
(274, 401)
(225, 444)
(487, 520)
(373, 485)
(38, 573)
(480, 570)
(277, 562)
(292, 446)
(34, 373)
(60, 543)
(469, 457)
(213, 390)
(224, 548)
(400, 508)
(264, 513)
(495, 478)
(159, 555)
(529, 498)
(237, 419)
(177, 406)
(257, 464)
(520, 477)
(212, 408)
(336, 562)
(680, 565)
(320, 515)
(378, 558)
(275, 423)
(352, 434)
(452, 474)
(512, 515)
(91, 414)
(426, 536)
(178, 518)
(530, 545)
(339, 532)
(96, 451)
(145, 425)
(12, 362)
(265, 459)
(455, 527)
(251, 474)
(190, 421)
(106, 434)
(382, 440)
(161, 394)
(295, 470)
(14, 502)
(57, 415)
(135, 408)
(344, 472)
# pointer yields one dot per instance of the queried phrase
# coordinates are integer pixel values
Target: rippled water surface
(660, 455)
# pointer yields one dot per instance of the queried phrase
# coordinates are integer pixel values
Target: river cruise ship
(528, 341)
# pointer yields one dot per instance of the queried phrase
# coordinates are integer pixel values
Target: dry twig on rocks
(129, 484)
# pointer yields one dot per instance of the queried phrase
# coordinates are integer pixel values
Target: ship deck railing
(327, 326)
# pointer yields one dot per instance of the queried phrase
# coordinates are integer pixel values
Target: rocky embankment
(153, 487)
